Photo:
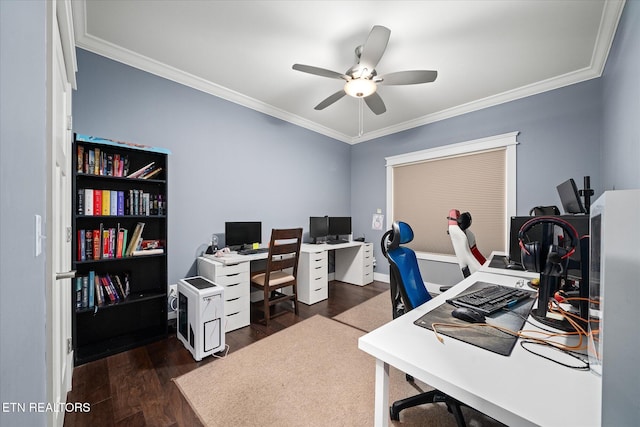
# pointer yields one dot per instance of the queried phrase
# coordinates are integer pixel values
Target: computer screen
(318, 227)
(339, 225)
(570, 197)
(238, 234)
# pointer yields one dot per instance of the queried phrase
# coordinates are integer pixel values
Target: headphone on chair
(463, 220)
(557, 256)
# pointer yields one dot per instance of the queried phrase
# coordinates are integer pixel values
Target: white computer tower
(200, 316)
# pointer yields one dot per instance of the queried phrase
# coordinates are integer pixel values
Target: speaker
(556, 257)
(172, 302)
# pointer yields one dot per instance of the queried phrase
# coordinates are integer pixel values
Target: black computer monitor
(318, 227)
(339, 226)
(241, 234)
(570, 197)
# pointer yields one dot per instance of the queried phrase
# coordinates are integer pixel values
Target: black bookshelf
(119, 299)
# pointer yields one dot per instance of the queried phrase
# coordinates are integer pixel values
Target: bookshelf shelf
(119, 300)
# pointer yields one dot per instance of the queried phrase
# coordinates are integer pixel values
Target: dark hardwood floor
(135, 388)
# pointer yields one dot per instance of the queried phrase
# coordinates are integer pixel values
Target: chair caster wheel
(395, 416)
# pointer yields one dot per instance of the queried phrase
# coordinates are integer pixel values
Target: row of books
(96, 202)
(114, 242)
(95, 290)
(94, 161)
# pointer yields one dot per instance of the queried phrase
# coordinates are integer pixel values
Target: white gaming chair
(464, 242)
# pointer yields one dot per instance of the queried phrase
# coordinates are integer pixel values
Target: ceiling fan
(362, 80)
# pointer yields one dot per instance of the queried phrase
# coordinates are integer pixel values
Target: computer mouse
(514, 266)
(468, 315)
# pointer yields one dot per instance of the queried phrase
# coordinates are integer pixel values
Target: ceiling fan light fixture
(360, 87)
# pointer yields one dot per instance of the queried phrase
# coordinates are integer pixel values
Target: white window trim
(507, 141)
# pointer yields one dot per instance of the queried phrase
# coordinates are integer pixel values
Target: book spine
(78, 291)
(80, 201)
(80, 159)
(106, 202)
(90, 289)
(97, 202)
(91, 162)
(85, 292)
(119, 243)
(88, 244)
(98, 290)
(82, 250)
(120, 203)
(113, 204)
(88, 201)
(97, 162)
(97, 238)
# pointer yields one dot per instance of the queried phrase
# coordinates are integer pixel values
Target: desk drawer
(237, 320)
(236, 290)
(234, 305)
(228, 270)
(318, 272)
(232, 279)
(317, 295)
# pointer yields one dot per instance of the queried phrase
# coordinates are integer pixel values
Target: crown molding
(608, 24)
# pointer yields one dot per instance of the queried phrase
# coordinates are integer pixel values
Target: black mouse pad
(479, 335)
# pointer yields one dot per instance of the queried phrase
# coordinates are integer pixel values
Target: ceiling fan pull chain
(360, 116)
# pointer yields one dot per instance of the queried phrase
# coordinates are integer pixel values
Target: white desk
(509, 272)
(353, 264)
(519, 390)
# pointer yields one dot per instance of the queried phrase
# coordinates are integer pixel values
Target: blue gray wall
(228, 163)
(620, 155)
(22, 196)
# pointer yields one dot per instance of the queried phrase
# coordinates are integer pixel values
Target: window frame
(508, 141)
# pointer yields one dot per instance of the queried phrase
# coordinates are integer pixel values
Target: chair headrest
(402, 233)
(463, 220)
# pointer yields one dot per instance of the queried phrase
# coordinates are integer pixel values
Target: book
(107, 289)
(113, 204)
(78, 291)
(125, 292)
(88, 201)
(80, 159)
(91, 162)
(80, 201)
(140, 171)
(91, 289)
(97, 244)
(98, 290)
(106, 202)
(120, 203)
(97, 202)
(140, 252)
(81, 253)
(88, 244)
(136, 237)
(151, 173)
(96, 164)
(119, 242)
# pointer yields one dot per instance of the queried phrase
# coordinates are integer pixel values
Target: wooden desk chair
(281, 272)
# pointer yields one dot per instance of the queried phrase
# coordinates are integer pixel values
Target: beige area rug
(309, 374)
(369, 315)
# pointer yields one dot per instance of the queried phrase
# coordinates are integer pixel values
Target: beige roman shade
(425, 191)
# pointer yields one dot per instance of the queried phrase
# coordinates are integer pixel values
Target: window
(476, 176)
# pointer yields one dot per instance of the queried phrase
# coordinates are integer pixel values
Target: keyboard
(253, 251)
(492, 298)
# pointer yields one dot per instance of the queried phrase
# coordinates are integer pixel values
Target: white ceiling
(485, 52)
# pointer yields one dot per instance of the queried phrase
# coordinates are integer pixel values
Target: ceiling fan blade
(375, 103)
(320, 71)
(374, 48)
(330, 100)
(408, 77)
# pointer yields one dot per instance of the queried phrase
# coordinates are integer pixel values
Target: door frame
(59, 42)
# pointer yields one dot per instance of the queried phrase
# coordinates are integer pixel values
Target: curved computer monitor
(318, 227)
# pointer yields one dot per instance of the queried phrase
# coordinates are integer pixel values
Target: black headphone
(557, 256)
(463, 220)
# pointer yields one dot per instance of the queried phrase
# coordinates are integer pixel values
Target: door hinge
(69, 234)
(69, 122)
(69, 345)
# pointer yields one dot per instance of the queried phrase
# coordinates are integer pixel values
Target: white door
(59, 357)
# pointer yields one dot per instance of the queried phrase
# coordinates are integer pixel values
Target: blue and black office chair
(408, 292)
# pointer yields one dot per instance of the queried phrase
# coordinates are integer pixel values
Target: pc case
(200, 316)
